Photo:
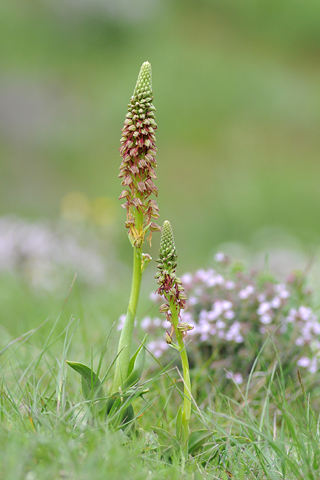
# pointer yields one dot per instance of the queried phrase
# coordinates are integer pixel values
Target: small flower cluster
(138, 150)
(235, 311)
(170, 286)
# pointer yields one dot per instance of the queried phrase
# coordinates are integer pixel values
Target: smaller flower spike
(171, 288)
(138, 149)
(169, 284)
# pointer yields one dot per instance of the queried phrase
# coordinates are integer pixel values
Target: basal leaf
(136, 366)
(179, 424)
(135, 355)
(91, 385)
(197, 439)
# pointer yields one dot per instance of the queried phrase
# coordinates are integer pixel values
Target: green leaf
(179, 424)
(233, 441)
(128, 415)
(197, 439)
(166, 439)
(133, 358)
(136, 366)
(120, 411)
(90, 383)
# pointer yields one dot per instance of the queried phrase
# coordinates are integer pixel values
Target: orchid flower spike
(137, 170)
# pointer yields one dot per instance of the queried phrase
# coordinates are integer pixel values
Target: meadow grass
(266, 430)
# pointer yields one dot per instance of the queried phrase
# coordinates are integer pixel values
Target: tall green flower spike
(137, 172)
(171, 288)
(138, 150)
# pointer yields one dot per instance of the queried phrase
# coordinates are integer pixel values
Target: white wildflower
(276, 302)
(145, 323)
(229, 314)
(265, 319)
(246, 292)
(121, 321)
(304, 312)
(157, 348)
(236, 377)
(187, 279)
(304, 362)
(220, 324)
(263, 308)
(220, 257)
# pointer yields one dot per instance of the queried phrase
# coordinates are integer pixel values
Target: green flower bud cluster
(138, 150)
(169, 284)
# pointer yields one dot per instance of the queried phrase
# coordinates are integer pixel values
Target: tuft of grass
(269, 431)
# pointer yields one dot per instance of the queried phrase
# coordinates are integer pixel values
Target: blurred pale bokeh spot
(104, 211)
(75, 206)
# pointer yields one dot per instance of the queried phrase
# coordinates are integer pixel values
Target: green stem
(126, 335)
(186, 411)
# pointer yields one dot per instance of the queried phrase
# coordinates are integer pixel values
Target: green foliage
(197, 439)
(91, 385)
(117, 406)
(136, 365)
(269, 432)
(179, 424)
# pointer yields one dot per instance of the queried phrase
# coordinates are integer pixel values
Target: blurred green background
(237, 92)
